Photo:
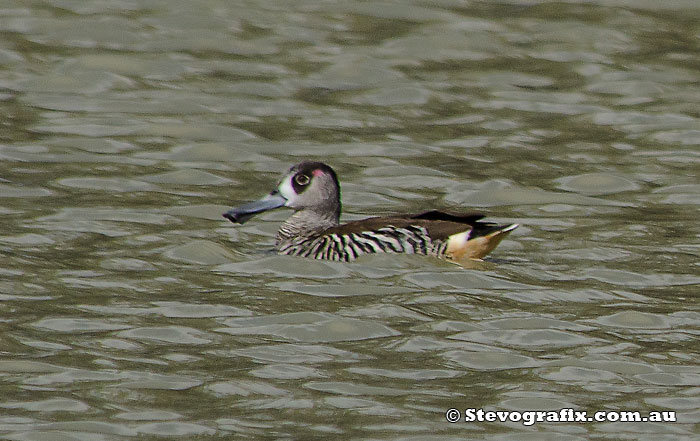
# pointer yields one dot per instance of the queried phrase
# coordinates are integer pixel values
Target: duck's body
(431, 233)
(312, 189)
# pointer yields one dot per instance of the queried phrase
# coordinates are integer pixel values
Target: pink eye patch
(317, 172)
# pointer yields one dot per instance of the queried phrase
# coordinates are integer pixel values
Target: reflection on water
(132, 309)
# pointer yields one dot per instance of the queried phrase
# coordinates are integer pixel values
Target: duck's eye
(301, 179)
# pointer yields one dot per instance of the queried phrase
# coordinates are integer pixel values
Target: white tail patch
(460, 246)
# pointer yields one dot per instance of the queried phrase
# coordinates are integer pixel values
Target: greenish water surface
(130, 309)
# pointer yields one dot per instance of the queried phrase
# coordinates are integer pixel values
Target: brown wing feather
(440, 225)
(462, 218)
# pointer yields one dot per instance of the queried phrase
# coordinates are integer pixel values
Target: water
(132, 310)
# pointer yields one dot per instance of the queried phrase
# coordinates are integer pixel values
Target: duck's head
(311, 186)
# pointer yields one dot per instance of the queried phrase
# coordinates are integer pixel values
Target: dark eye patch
(300, 182)
(301, 179)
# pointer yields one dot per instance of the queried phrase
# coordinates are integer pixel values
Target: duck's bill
(243, 213)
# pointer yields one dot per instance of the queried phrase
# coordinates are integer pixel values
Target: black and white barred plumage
(349, 246)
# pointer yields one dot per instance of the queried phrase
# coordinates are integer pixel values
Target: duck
(314, 230)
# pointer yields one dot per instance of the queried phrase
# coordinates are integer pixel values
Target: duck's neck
(305, 223)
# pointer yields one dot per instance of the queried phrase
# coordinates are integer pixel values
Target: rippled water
(132, 310)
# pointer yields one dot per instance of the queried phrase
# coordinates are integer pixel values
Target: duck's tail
(477, 242)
